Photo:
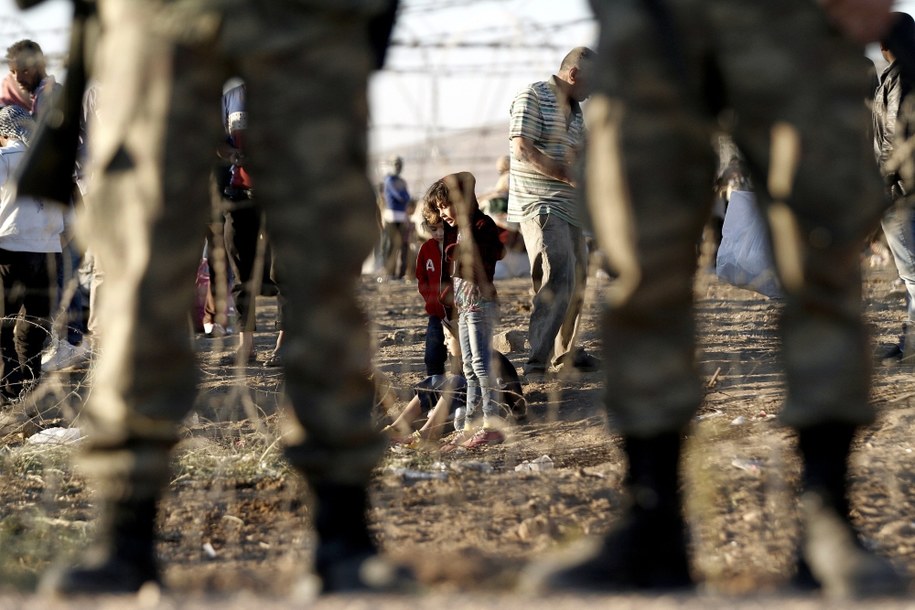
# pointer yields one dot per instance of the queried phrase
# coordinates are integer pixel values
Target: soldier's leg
(833, 200)
(152, 154)
(648, 190)
(321, 219)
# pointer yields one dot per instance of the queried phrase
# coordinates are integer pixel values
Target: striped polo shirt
(536, 114)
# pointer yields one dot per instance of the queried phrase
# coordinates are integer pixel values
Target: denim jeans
(436, 353)
(900, 237)
(475, 327)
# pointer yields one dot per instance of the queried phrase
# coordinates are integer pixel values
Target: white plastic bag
(745, 256)
(55, 436)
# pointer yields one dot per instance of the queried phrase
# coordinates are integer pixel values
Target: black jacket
(894, 125)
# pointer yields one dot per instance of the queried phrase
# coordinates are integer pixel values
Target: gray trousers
(559, 272)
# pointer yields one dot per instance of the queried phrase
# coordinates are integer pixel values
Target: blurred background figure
(397, 224)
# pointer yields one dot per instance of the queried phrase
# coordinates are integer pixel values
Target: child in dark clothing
(433, 280)
(436, 403)
(473, 257)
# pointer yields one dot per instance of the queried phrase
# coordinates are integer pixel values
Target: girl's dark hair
(455, 188)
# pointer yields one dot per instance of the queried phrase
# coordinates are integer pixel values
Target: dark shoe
(122, 562)
(103, 575)
(363, 572)
(907, 343)
(586, 363)
(837, 560)
(641, 554)
(232, 359)
(803, 580)
(273, 360)
(534, 373)
(347, 560)
(516, 410)
(8, 398)
(647, 550)
(269, 288)
(889, 351)
(581, 361)
(894, 351)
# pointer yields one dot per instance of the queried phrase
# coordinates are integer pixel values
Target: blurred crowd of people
(287, 210)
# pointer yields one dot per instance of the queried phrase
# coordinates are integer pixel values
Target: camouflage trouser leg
(308, 113)
(307, 74)
(660, 83)
(149, 204)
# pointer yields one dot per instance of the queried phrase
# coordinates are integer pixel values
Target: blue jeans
(900, 237)
(436, 353)
(475, 328)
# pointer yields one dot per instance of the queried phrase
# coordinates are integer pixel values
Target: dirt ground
(469, 522)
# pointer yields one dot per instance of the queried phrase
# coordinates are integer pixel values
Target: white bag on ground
(745, 256)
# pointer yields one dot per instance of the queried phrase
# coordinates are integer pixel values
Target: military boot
(647, 550)
(347, 559)
(121, 562)
(833, 557)
(907, 343)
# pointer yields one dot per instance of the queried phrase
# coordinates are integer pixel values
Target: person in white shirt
(30, 235)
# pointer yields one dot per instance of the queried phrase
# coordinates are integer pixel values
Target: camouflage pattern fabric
(161, 66)
(792, 91)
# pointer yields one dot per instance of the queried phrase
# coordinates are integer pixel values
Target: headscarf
(16, 123)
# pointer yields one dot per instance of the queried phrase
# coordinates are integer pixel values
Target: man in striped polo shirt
(547, 131)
